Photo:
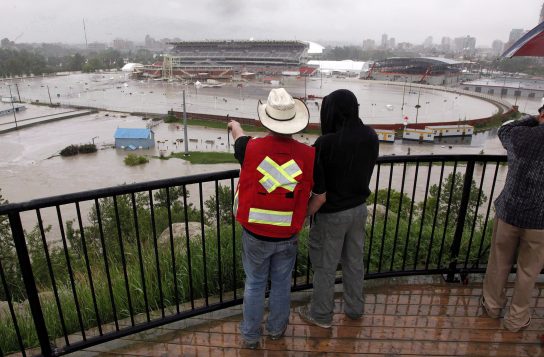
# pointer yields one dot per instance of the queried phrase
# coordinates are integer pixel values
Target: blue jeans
(262, 259)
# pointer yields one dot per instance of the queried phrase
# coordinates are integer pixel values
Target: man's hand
(232, 124)
(236, 129)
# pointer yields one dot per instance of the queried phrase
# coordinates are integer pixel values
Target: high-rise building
(384, 41)
(465, 45)
(123, 45)
(497, 46)
(369, 44)
(515, 34)
(392, 43)
(446, 44)
(428, 43)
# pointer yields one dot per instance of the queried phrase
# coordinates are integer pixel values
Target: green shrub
(87, 148)
(133, 160)
(171, 119)
(69, 151)
(78, 149)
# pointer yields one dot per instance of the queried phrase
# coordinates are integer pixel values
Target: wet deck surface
(399, 320)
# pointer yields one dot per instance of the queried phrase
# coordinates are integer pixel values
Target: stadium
(425, 70)
(224, 59)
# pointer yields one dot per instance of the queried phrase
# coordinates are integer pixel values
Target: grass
(495, 122)
(206, 157)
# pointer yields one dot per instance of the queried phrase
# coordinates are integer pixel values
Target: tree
(8, 258)
(76, 62)
(225, 206)
(175, 195)
(5, 43)
(452, 198)
(394, 201)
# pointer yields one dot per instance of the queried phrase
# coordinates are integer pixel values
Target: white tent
(346, 66)
(130, 67)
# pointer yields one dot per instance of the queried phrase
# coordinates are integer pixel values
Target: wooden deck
(401, 319)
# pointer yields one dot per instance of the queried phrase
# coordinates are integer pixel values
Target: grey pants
(338, 237)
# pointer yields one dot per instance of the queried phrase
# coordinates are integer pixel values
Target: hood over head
(338, 110)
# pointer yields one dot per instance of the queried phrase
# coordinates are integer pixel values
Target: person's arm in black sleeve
(240, 148)
(319, 191)
(240, 140)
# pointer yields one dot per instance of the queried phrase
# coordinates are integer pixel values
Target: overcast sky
(317, 20)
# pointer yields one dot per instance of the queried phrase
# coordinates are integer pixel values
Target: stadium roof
(253, 42)
(315, 48)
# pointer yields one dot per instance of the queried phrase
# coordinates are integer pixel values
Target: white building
(418, 134)
(384, 135)
(451, 130)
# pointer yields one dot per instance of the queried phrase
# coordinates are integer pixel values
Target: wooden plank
(403, 320)
(365, 343)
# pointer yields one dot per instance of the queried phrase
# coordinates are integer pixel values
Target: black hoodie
(345, 154)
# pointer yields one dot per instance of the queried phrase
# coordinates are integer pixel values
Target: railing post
(30, 283)
(456, 244)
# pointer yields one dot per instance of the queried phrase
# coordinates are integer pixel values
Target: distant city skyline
(342, 21)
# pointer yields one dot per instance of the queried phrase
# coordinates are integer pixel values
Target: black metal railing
(85, 268)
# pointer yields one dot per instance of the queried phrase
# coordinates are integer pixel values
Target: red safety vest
(274, 187)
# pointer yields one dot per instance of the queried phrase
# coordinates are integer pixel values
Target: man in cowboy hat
(270, 204)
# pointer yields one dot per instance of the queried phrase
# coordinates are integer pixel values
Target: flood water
(379, 103)
(31, 168)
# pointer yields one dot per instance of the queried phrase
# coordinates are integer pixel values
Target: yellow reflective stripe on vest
(235, 204)
(274, 218)
(275, 176)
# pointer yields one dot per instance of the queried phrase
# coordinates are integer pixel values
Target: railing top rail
(186, 180)
(438, 158)
(115, 190)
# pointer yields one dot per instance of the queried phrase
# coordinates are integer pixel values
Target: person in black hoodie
(345, 157)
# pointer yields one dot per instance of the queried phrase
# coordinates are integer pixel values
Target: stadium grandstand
(427, 70)
(224, 59)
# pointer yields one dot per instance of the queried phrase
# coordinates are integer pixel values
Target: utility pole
(48, 92)
(185, 140)
(18, 94)
(12, 106)
(85, 33)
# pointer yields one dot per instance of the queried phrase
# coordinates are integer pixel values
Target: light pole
(305, 96)
(402, 106)
(185, 127)
(417, 105)
(96, 137)
(12, 106)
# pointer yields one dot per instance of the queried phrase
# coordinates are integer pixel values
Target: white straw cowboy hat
(282, 114)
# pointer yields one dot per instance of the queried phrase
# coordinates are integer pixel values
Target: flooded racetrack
(380, 103)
